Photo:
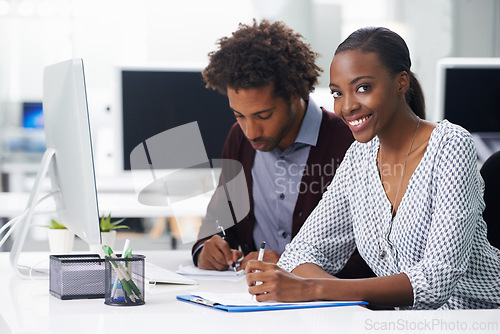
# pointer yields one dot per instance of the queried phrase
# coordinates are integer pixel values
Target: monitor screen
(468, 93)
(157, 99)
(32, 115)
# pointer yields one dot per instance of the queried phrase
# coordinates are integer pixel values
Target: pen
(261, 256)
(224, 238)
(128, 254)
(125, 247)
(261, 251)
(222, 232)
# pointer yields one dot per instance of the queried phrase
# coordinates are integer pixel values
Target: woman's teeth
(358, 121)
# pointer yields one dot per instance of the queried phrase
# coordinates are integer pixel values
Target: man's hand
(270, 256)
(217, 255)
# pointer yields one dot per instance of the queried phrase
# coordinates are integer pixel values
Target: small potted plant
(108, 233)
(60, 238)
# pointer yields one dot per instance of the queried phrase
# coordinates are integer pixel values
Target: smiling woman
(418, 225)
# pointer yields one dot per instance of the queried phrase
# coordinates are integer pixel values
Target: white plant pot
(60, 241)
(107, 238)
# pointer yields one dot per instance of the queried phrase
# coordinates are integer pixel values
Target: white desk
(27, 307)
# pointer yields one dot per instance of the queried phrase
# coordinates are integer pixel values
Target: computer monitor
(68, 158)
(32, 115)
(156, 99)
(467, 95)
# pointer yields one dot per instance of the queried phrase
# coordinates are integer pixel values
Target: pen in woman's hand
(261, 251)
(261, 256)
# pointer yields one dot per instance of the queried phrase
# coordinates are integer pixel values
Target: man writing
(288, 146)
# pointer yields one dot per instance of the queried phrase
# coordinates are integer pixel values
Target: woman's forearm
(311, 270)
(394, 290)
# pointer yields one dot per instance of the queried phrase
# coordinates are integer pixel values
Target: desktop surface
(27, 307)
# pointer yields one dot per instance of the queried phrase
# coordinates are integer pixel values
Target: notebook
(159, 275)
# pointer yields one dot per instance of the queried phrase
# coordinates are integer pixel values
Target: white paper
(157, 274)
(236, 298)
(195, 271)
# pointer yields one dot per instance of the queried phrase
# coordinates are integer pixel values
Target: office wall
(472, 22)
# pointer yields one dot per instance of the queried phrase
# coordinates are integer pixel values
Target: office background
(35, 33)
(108, 34)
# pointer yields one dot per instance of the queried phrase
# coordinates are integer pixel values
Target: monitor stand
(26, 220)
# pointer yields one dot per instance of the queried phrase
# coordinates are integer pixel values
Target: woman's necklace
(382, 252)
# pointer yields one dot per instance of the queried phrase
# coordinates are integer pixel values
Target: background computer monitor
(32, 117)
(155, 99)
(69, 158)
(468, 95)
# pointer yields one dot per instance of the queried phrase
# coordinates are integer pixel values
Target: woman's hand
(277, 284)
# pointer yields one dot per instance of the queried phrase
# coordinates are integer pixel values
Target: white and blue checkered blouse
(437, 238)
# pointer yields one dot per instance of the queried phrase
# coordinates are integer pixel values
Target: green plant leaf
(55, 225)
(107, 225)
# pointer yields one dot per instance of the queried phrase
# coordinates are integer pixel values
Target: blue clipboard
(265, 307)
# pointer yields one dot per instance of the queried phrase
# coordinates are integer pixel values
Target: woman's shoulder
(447, 132)
(450, 130)
(449, 136)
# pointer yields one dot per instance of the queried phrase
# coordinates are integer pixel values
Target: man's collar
(309, 129)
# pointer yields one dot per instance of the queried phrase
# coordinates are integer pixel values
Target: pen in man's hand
(222, 232)
(223, 235)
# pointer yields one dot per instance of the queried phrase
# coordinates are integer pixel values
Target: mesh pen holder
(124, 281)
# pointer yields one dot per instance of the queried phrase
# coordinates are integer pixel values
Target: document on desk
(156, 274)
(243, 302)
(195, 271)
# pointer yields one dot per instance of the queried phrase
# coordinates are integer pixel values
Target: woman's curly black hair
(261, 54)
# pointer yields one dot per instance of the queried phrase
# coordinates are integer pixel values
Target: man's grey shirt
(277, 177)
